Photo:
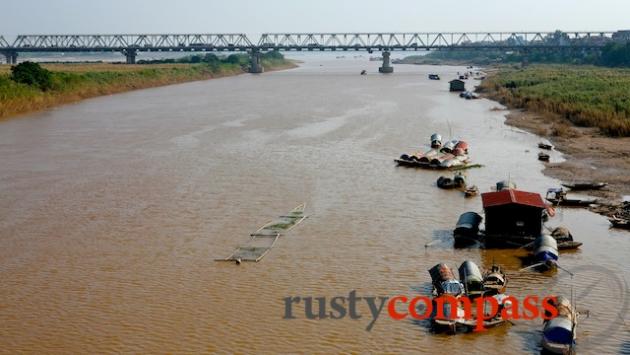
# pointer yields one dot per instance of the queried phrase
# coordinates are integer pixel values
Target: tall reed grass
(585, 96)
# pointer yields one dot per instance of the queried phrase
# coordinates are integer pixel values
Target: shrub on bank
(32, 74)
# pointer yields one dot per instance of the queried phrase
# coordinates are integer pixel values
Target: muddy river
(113, 211)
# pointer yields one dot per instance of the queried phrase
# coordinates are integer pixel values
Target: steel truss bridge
(131, 44)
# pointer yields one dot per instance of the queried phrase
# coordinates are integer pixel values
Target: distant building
(457, 85)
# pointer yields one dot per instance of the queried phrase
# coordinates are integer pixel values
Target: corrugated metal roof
(511, 196)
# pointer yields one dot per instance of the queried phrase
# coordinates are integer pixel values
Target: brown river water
(113, 211)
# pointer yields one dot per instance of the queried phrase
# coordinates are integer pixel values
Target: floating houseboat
(513, 217)
(457, 85)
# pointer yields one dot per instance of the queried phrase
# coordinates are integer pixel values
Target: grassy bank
(582, 95)
(613, 54)
(74, 82)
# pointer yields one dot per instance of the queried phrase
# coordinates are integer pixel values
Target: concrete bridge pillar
(256, 66)
(525, 60)
(386, 68)
(130, 54)
(11, 57)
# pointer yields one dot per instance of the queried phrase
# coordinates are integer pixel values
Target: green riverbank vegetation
(586, 96)
(30, 86)
(613, 54)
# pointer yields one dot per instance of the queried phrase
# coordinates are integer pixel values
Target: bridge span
(130, 44)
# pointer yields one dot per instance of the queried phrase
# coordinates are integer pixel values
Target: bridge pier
(130, 54)
(11, 57)
(256, 66)
(386, 68)
(525, 59)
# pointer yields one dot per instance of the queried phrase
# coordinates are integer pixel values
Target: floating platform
(262, 240)
(425, 165)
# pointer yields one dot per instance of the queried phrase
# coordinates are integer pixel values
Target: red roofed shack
(511, 212)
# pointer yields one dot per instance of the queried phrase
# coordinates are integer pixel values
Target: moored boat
(558, 197)
(585, 185)
(471, 191)
(543, 156)
(559, 333)
(444, 283)
(563, 237)
(618, 222)
(458, 181)
(453, 316)
(494, 281)
(453, 154)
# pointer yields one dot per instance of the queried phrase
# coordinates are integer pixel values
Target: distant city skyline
(255, 17)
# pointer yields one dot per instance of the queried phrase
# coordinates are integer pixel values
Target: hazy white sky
(254, 17)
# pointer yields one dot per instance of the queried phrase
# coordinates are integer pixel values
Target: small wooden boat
(545, 145)
(458, 181)
(559, 333)
(619, 222)
(471, 191)
(494, 281)
(468, 95)
(543, 156)
(444, 182)
(262, 240)
(444, 283)
(558, 197)
(573, 202)
(454, 316)
(569, 245)
(563, 237)
(586, 186)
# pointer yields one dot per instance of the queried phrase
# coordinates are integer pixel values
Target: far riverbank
(74, 82)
